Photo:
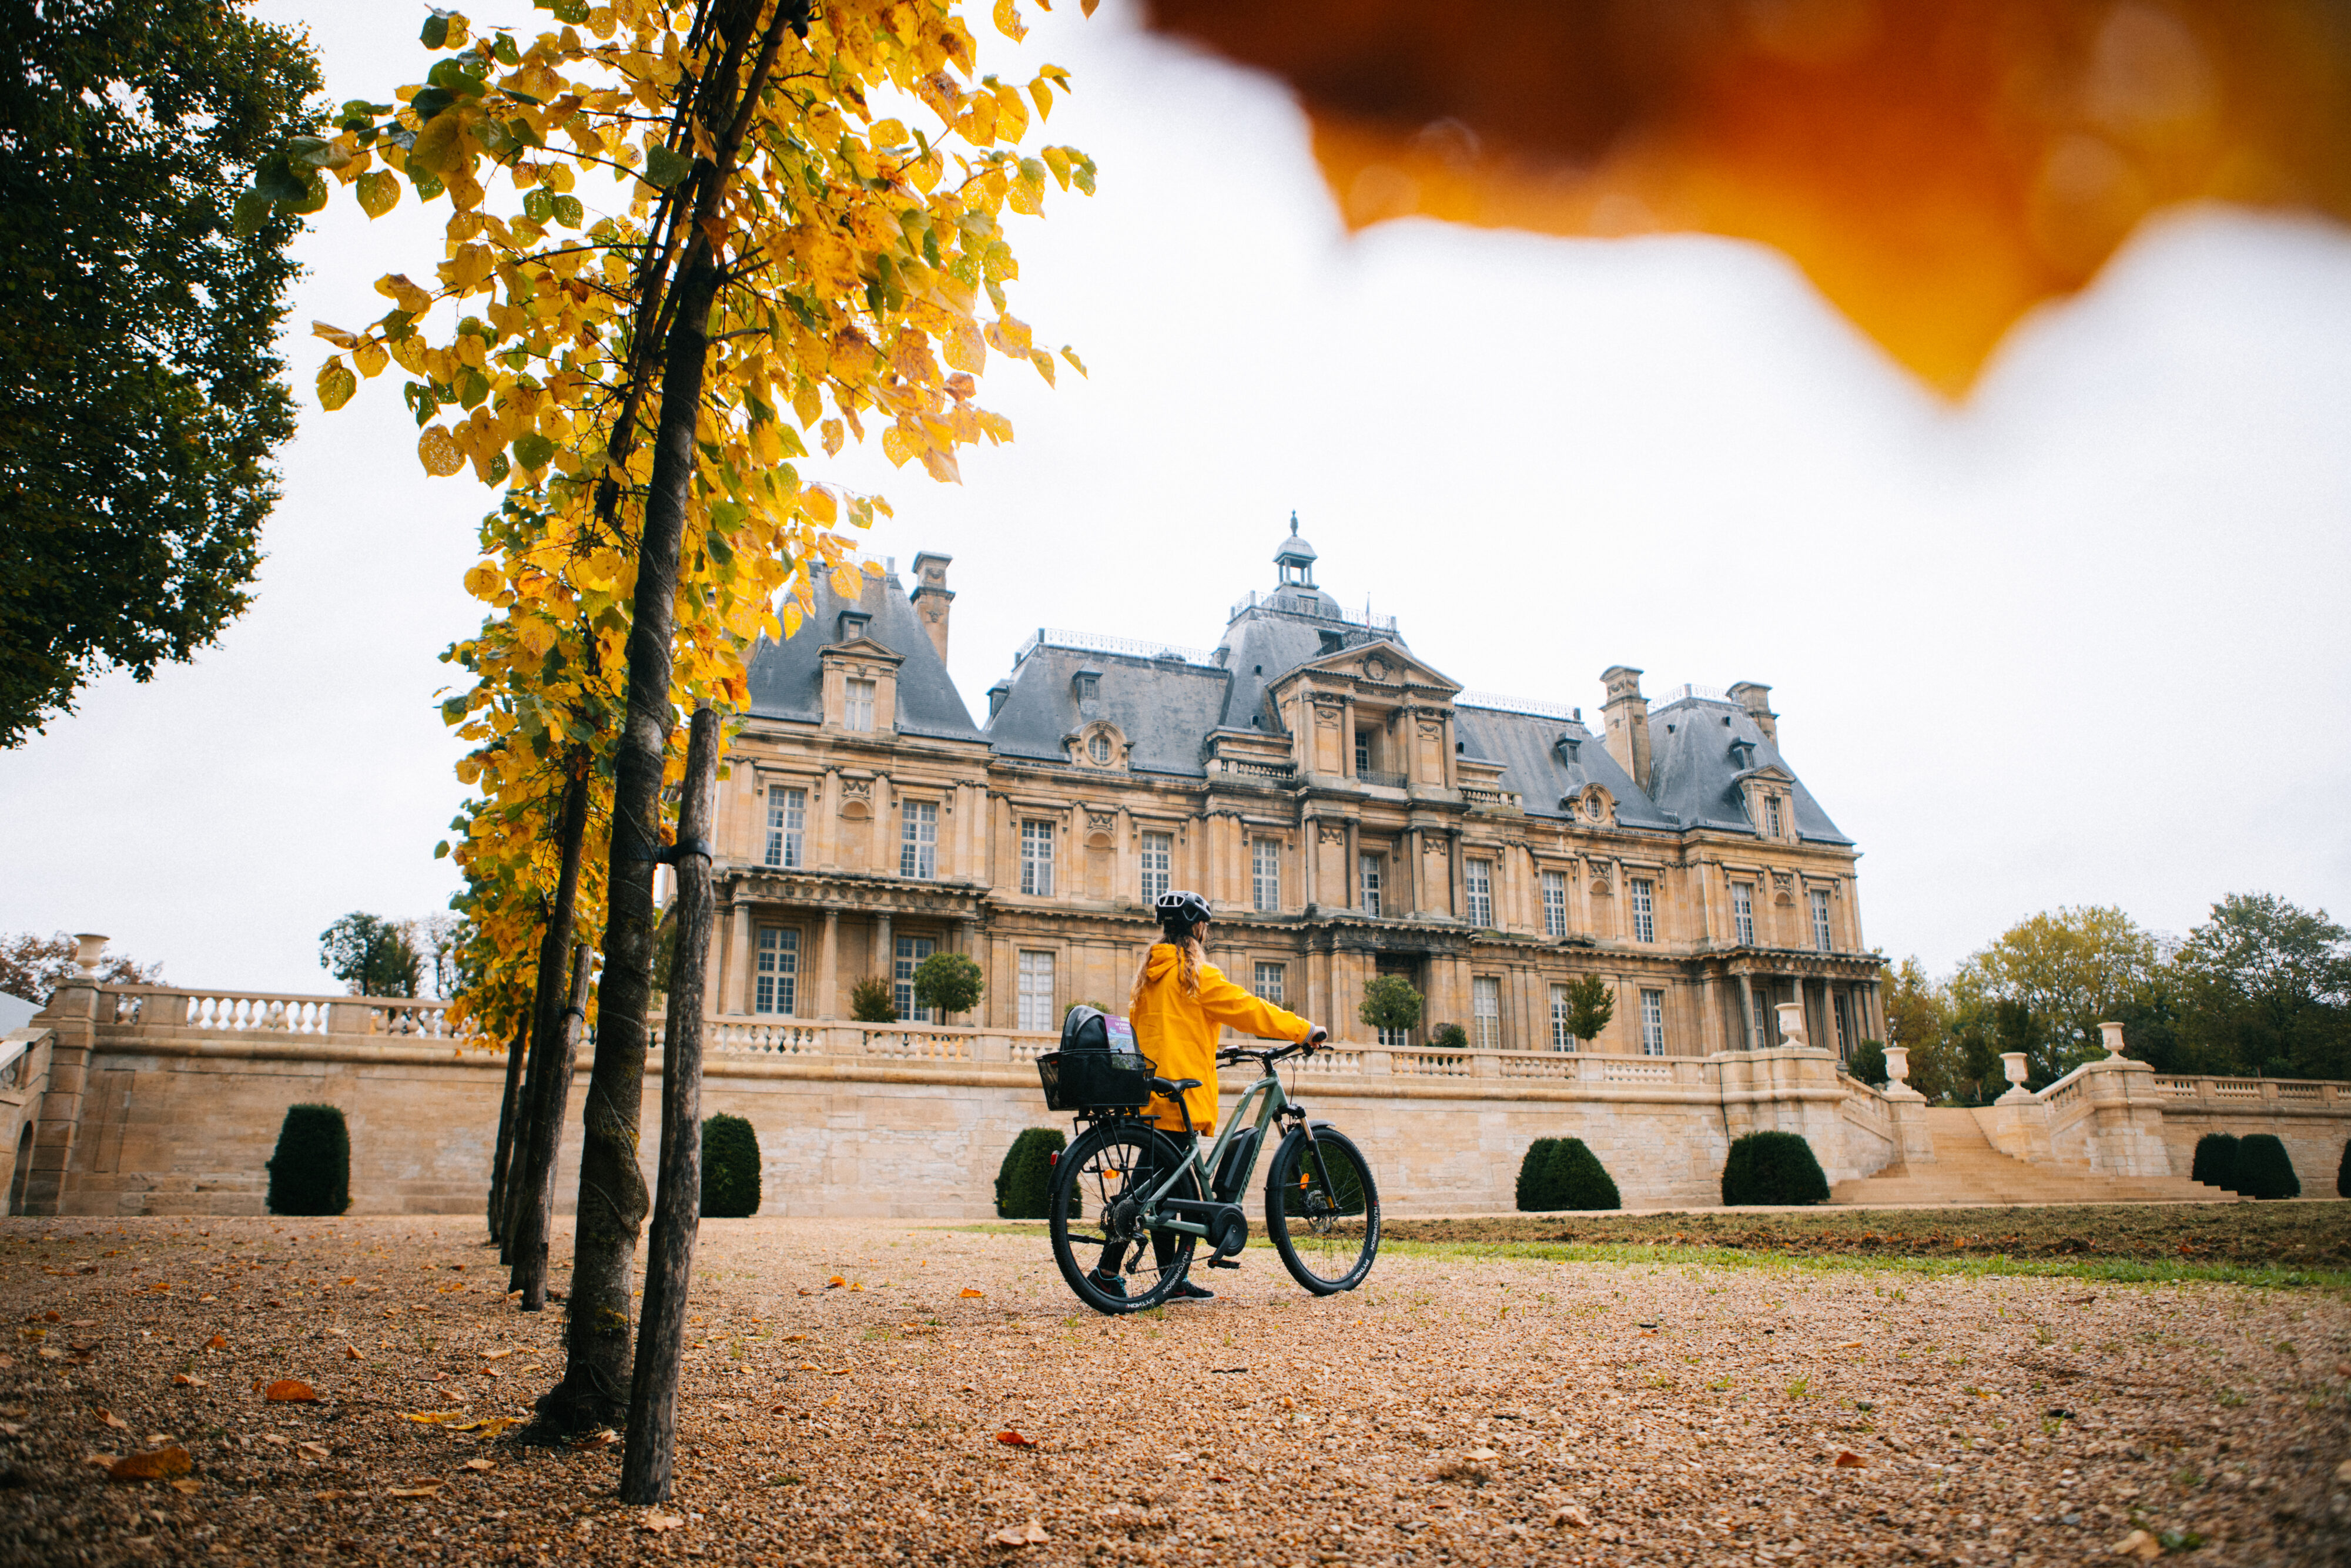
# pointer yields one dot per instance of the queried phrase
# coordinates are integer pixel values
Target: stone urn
(2011, 1062)
(89, 948)
(2110, 1035)
(1792, 1023)
(1898, 1064)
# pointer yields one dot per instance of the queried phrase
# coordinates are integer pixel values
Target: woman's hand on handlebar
(1315, 1036)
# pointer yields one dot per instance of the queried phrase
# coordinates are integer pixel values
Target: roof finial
(1293, 519)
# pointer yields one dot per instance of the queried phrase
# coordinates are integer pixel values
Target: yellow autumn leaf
(369, 357)
(1008, 21)
(896, 445)
(437, 450)
(336, 383)
(334, 334)
(832, 438)
(396, 288)
(1044, 363)
(378, 192)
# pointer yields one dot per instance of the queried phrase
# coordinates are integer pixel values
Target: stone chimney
(1627, 714)
(932, 597)
(1756, 698)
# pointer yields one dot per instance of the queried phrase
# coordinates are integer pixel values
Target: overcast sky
(2080, 640)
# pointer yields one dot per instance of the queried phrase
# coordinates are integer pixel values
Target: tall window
(1771, 815)
(1036, 992)
(1363, 751)
(1845, 1040)
(1742, 913)
(918, 842)
(1158, 859)
(1368, 869)
(1763, 1020)
(1653, 1023)
(1265, 874)
(1554, 885)
(911, 951)
(1269, 983)
(1478, 875)
(861, 705)
(787, 825)
(777, 974)
(1486, 1012)
(1037, 859)
(1821, 918)
(1561, 1037)
(1644, 909)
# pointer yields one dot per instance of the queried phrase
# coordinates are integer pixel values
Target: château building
(1348, 810)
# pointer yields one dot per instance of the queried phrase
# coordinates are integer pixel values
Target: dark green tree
(948, 983)
(1591, 1003)
(310, 1170)
(374, 956)
(2216, 1161)
(2265, 987)
(2264, 1169)
(140, 400)
(1535, 1188)
(730, 1168)
(1773, 1167)
(1869, 1062)
(1449, 1037)
(872, 1000)
(2342, 1173)
(1024, 1181)
(1390, 1003)
(1578, 1179)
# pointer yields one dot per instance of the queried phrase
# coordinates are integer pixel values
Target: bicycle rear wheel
(1323, 1210)
(1112, 1263)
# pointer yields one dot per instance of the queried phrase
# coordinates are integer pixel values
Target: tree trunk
(524, 1070)
(611, 1189)
(496, 1215)
(645, 1462)
(531, 1182)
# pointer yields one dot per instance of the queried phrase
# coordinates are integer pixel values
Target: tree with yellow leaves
(780, 246)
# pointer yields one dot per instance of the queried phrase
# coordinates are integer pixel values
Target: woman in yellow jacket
(1179, 1005)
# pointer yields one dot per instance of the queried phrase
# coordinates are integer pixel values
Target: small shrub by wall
(2216, 1161)
(1868, 1063)
(872, 1000)
(730, 1168)
(1773, 1167)
(310, 1172)
(1564, 1173)
(1534, 1177)
(2263, 1170)
(2342, 1173)
(1449, 1037)
(1025, 1179)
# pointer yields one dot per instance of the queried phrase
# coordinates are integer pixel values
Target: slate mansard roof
(787, 679)
(1168, 702)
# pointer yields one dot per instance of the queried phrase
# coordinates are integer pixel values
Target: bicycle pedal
(1222, 1263)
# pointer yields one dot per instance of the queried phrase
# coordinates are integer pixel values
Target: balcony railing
(1375, 777)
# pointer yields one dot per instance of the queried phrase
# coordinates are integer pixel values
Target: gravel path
(1454, 1410)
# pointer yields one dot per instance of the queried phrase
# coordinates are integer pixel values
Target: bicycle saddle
(1172, 1089)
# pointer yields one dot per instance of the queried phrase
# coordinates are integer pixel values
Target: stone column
(735, 973)
(884, 953)
(1355, 868)
(828, 967)
(1747, 1012)
(1309, 841)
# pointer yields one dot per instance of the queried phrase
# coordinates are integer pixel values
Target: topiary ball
(1580, 1180)
(1534, 1194)
(2216, 1161)
(730, 1168)
(2263, 1169)
(1024, 1182)
(310, 1173)
(2342, 1173)
(1773, 1167)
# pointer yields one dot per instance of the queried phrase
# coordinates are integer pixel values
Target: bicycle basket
(1094, 1080)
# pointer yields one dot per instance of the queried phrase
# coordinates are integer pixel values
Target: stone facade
(1346, 807)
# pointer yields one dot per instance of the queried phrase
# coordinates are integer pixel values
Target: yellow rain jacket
(1178, 1033)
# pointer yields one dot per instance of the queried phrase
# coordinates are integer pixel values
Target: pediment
(1375, 665)
(1768, 773)
(862, 647)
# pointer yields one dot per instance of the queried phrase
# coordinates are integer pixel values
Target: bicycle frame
(1276, 1104)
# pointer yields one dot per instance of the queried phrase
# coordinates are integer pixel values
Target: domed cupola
(1295, 558)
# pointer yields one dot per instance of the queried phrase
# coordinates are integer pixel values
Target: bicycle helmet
(1179, 911)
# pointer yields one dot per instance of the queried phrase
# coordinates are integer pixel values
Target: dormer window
(1082, 685)
(1568, 747)
(1099, 750)
(852, 625)
(1742, 755)
(858, 706)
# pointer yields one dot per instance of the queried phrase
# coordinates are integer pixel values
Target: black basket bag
(1097, 1068)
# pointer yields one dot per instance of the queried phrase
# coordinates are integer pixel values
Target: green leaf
(532, 450)
(568, 210)
(452, 76)
(572, 11)
(504, 48)
(436, 30)
(430, 102)
(499, 468)
(536, 203)
(314, 153)
(471, 387)
(428, 184)
(441, 851)
(665, 168)
(251, 211)
(336, 383)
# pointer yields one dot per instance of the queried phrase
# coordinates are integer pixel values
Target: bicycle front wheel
(1323, 1210)
(1111, 1262)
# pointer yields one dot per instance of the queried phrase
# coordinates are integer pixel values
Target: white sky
(2078, 641)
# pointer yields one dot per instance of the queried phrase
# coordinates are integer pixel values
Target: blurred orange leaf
(290, 1391)
(156, 1464)
(1012, 1439)
(970, 1295)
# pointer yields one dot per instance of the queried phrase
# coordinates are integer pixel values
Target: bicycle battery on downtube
(1234, 1169)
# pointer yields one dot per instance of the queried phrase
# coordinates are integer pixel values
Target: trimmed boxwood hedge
(1564, 1173)
(1773, 1167)
(1024, 1181)
(2342, 1173)
(310, 1173)
(2216, 1161)
(730, 1168)
(2263, 1170)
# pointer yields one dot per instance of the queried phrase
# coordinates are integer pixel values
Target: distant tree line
(380, 957)
(2262, 988)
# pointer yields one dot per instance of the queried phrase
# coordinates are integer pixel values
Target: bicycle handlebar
(1241, 1053)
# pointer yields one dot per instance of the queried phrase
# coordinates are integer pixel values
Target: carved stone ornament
(1601, 882)
(1375, 668)
(1597, 806)
(1326, 716)
(857, 788)
(1783, 886)
(1431, 730)
(1332, 832)
(1100, 821)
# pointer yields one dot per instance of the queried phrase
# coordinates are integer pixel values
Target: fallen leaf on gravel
(489, 1425)
(1572, 1515)
(435, 1417)
(2139, 1543)
(290, 1391)
(216, 1342)
(968, 1294)
(1848, 1460)
(835, 1283)
(2343, 1474)
(107, 1417)
(838, 1372)
(794, 1338)
(182, 1380)
(1484, 1454)
(479, 1465)
(657, 1522)
(185, 1484)
(352, 1352)
(155, 1465)
(600, 1438)
(808, 1366)
(497, 1354)
(316, 1450)
(433, 1491)
(1033, 1535)
(1015, 1440)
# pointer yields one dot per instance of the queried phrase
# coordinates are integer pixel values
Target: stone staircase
(1969, 1170)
